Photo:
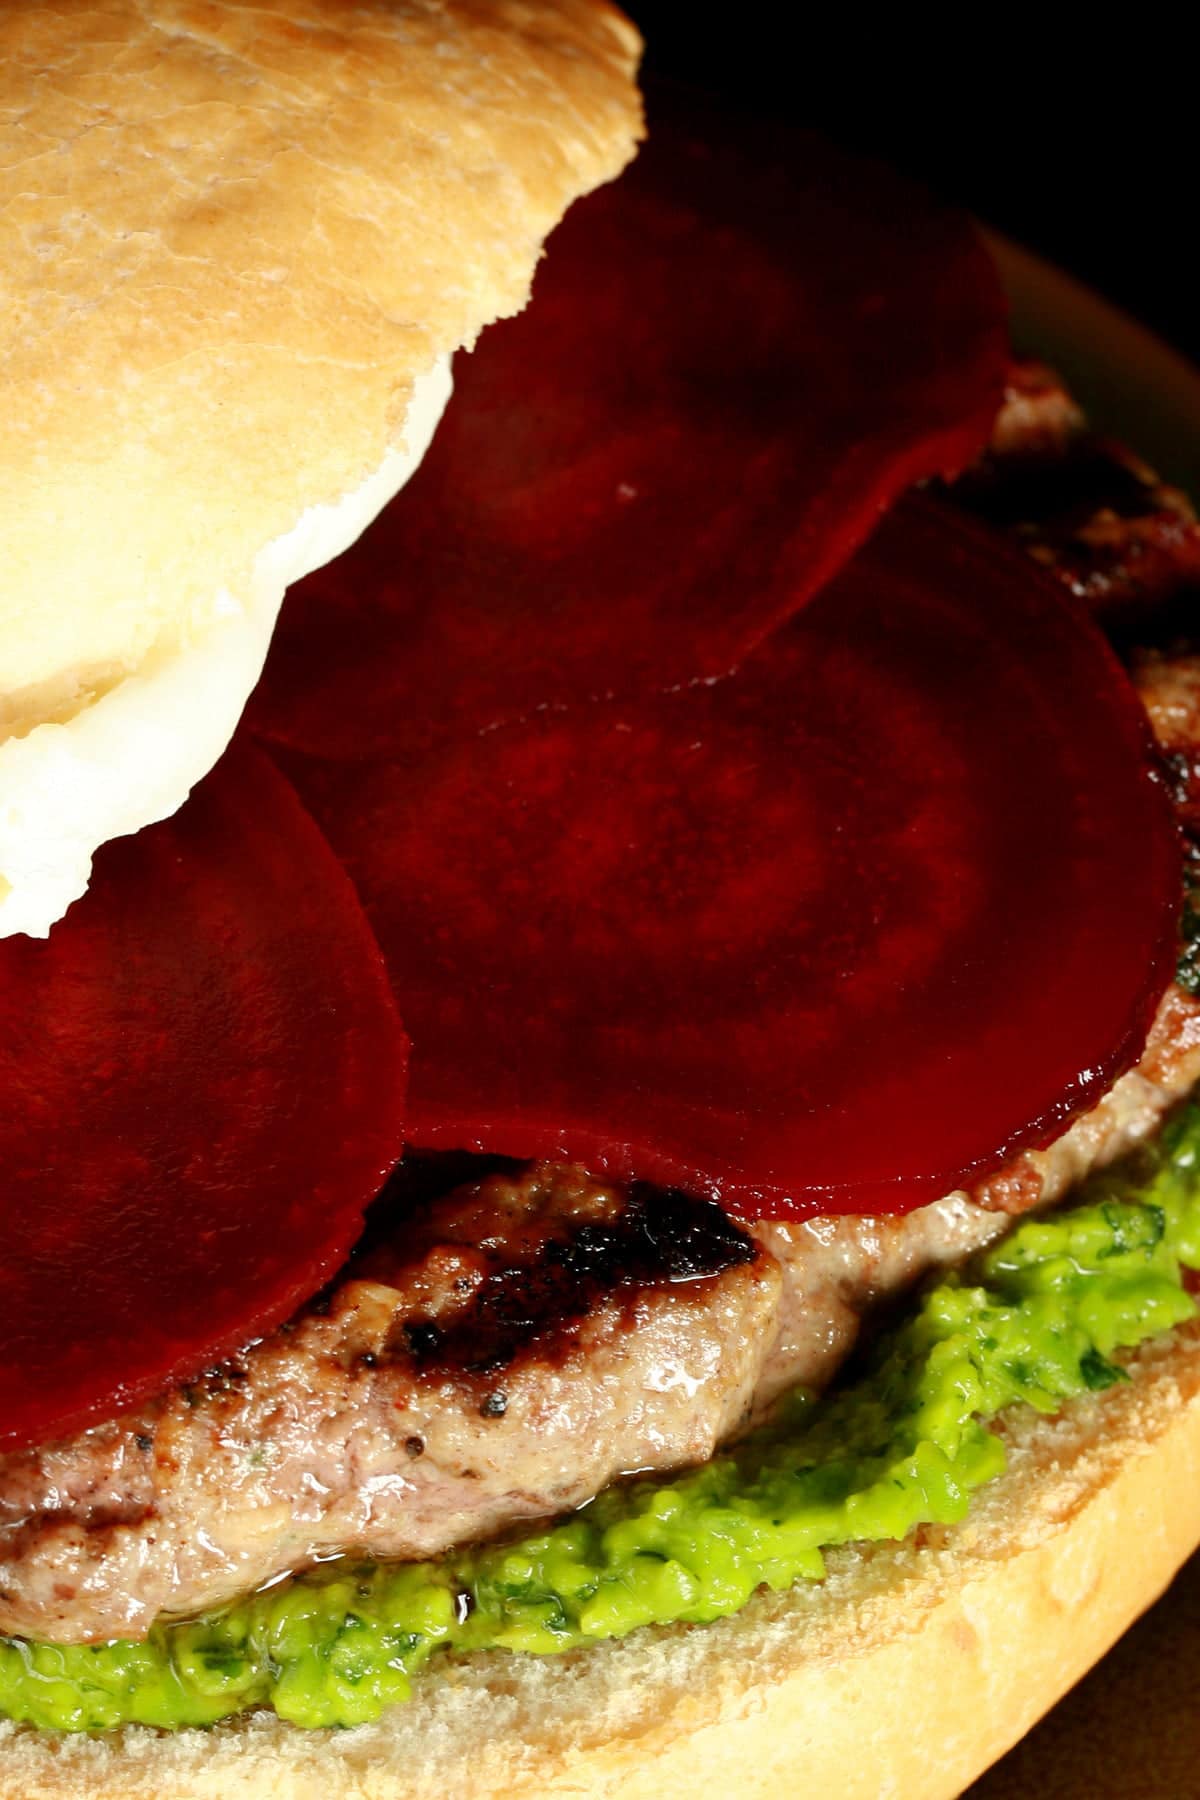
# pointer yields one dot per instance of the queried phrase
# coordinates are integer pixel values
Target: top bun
(235, 239)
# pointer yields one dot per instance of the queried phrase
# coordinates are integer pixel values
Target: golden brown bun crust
(232, 236)
(906, 1673)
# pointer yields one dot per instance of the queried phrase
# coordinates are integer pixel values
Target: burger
(610, 1202)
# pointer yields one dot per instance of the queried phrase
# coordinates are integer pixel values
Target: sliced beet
(735, 357)
(838, 932)
(201, 1087)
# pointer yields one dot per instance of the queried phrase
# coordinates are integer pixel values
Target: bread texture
(235, 237)
(905, 1673)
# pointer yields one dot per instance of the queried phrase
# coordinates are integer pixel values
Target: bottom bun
(905, 1673)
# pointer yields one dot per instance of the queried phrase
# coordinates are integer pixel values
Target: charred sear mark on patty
(1089, 509)
(532, 1294)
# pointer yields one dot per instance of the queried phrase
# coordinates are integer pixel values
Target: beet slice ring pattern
(734, 358)
(837, 932)
(201, 1087)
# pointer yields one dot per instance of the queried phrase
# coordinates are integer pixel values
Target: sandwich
(611, 1204)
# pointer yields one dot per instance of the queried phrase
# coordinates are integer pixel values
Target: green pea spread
(1036, 1319)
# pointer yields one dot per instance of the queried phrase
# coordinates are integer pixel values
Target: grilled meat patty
(537, 1334)
(509, 1339)
(1123, 541)
(497, 1357)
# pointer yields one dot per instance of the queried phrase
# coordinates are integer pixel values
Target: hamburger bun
(908, 1671)
(241, 242)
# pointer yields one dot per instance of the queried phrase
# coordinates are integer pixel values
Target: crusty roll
(238, 241)
(908, 1671)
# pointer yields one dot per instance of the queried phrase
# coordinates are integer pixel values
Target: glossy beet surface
(201, 1087)
(833, 932)
(837, 932)
(734, 358)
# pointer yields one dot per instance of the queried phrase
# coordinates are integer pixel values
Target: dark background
(1077, 134)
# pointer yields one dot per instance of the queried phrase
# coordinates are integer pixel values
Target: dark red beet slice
(735, 357)
(201, 1087)
(835, 933)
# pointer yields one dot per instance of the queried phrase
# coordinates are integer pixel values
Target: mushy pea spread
(1038, 1319)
